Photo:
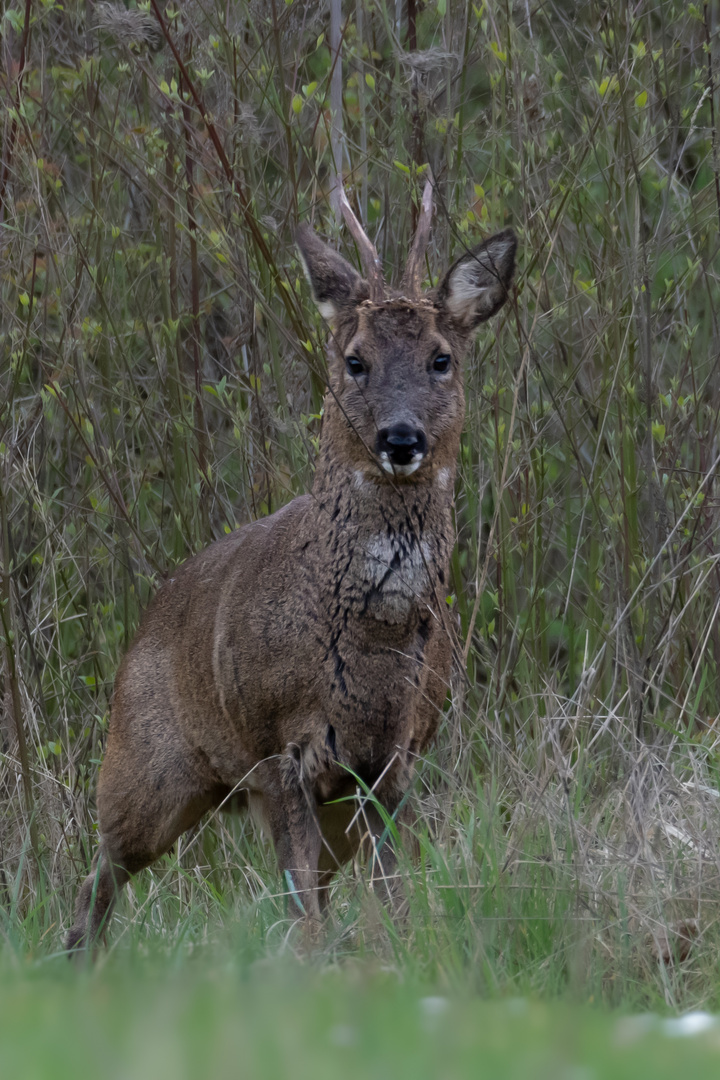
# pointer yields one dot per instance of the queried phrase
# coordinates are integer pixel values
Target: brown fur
(313, 641)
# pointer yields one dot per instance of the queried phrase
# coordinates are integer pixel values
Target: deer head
(395, 404)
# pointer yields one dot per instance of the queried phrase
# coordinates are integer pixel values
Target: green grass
(210, 1016)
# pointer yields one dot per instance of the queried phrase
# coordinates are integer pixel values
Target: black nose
(401, 443)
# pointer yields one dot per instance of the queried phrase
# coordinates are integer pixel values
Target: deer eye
(441, 364)
(354, 366)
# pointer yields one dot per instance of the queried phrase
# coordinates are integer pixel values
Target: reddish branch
(9, 150)
(232, 178)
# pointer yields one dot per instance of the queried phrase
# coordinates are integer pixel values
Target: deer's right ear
(477, 285)
(334, 282)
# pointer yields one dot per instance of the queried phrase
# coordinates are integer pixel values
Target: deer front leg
(291, 814)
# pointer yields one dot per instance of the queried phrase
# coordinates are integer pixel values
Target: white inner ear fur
(471, 279)
(304, 265)
(464, 288)
(327, 309)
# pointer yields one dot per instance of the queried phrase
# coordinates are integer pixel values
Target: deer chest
(394, 574)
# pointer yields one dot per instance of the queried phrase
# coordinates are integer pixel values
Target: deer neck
(385, 548)
(366, 499)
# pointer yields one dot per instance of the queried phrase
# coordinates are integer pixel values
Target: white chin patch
(401, 470)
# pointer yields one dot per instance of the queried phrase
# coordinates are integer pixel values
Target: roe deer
(314, 641)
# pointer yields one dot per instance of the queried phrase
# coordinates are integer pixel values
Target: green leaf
(641, 99)
(16, 19)
(293, 891)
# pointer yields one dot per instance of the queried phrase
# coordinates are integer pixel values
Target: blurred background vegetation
(161, 379)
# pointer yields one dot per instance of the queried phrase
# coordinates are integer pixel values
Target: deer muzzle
(401, 448)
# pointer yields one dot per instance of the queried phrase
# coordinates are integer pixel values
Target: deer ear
(334, 282)
(477, 285)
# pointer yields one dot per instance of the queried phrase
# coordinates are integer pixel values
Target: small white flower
(692, 1023)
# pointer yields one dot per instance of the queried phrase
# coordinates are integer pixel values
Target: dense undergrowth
(161, 376)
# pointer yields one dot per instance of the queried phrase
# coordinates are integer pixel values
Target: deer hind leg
(342, 832)
(378, 840)
(144, 805)
(356, 827)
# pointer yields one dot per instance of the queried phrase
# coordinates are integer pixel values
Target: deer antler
(368, 254)
(413, 275)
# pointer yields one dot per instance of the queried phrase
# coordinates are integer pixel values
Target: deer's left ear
(334, 282)
(477, 285)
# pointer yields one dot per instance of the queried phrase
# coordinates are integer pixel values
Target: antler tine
(412, 278)
(368, 253)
